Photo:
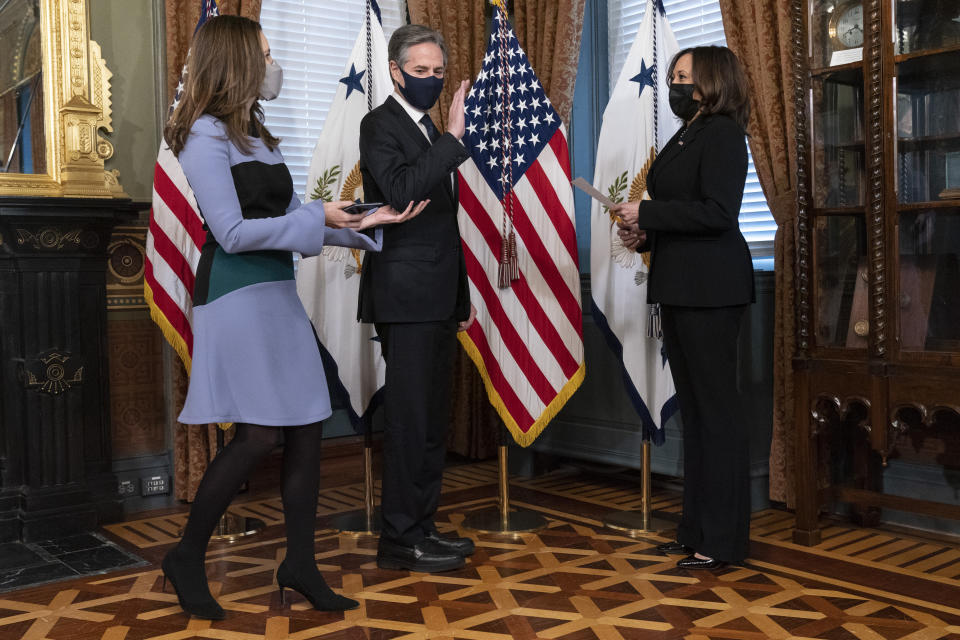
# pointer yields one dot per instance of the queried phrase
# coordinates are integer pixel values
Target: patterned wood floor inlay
(574, 580)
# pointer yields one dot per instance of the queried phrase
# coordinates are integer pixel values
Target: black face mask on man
(681, 101)
(421, 93)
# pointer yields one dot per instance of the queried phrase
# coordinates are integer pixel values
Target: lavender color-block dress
(255, 356)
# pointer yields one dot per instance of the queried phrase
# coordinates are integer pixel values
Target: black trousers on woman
(701, 345)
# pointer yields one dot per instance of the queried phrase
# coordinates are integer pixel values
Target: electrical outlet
(127, 488)
(154, 485)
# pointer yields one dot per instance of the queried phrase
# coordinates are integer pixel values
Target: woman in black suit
(701, 274)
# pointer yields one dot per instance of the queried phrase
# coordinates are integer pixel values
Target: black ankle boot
(314, 588)
(189, 580)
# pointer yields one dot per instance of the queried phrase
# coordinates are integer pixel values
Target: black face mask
(421, 93)
(682, 102)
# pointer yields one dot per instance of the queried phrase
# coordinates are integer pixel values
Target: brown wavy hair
(720, 78)
(224, 72)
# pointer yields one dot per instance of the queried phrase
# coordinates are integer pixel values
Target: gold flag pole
(367, 522)
(639, 523)
(501, 519)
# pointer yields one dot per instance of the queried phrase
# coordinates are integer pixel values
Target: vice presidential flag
(329, 284)
(174, 239)
(636, 124)
(517, 223)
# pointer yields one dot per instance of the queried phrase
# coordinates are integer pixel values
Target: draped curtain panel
(759, 32)
(182, 16)
(550, 31)
(194, 446)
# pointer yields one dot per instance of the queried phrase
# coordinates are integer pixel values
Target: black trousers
(701, 345)
(419, 357)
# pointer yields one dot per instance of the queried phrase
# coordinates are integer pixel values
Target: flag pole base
(357, 523)
(501, 519)
(492, 521)
(639, 523)
(636, 523)
(366, 522)
(232, 527)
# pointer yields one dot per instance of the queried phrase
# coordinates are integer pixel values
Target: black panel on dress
(264, 191)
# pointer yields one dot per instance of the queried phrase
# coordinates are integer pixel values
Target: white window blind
(694, 23)
(312, 42)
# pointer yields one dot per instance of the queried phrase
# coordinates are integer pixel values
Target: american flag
(517, 223)
(174, 238)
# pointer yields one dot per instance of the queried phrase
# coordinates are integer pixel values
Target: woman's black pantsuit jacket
(702, 276)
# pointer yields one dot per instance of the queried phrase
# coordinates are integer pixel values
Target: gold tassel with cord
(503, 270)
(514, 261)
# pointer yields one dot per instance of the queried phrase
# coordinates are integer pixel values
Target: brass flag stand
(501, 519)
(232, 526)
(639, 523)
(366, 523)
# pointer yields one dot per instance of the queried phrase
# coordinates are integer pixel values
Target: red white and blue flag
(174, 238)
(517, 223)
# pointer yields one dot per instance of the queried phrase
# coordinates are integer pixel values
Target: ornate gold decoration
(76, 99)
(638, 188)
(862, 328)
(57, 375)
(353, 190)
(639, 185)
(48, 238)
(353, 185)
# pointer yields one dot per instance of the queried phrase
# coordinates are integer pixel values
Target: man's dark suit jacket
(698, 255)
(420, 275)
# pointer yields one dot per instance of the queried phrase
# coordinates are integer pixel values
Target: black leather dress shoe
(424, 556)
(674, 547)
(462, 546)
(693, 562)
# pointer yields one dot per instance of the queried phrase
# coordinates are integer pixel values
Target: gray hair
(410, 35)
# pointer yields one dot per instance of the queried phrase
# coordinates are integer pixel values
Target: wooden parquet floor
(574, 580)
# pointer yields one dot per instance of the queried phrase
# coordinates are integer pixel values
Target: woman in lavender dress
(256, 361)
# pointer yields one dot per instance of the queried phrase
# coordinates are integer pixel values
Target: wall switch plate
(155, 485)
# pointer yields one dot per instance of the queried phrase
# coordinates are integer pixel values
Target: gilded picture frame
(76, 110)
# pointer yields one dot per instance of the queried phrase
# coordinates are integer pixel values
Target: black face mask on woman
(681, 101)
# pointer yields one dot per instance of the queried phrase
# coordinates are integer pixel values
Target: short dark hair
(720, 78)
(410, 35)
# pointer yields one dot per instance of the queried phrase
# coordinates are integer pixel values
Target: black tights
(233, 465)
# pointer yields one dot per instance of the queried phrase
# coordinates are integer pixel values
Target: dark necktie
(432, 132)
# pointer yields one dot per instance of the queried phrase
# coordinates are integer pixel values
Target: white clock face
(850, 26)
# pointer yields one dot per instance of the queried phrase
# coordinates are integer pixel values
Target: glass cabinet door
(842, 305)
(838, 141)
(928, 127)
(926, 25)
(929, 300)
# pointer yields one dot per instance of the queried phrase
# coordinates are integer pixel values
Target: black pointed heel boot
(190, 583)
(314, 589)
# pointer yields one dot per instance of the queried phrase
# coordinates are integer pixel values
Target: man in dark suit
(415, 291)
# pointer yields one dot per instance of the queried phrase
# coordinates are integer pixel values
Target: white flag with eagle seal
(637, 123)
(329, 284)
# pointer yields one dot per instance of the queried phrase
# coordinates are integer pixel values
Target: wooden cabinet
(878, 251)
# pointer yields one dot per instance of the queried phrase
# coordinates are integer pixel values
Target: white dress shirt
(415, 115)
